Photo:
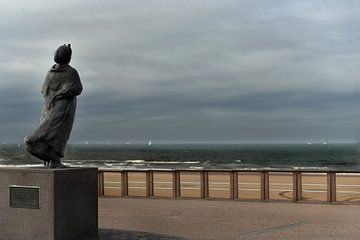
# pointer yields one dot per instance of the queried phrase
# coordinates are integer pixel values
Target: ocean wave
(113, 164)
(196, 168)
(311, 168)
(348, 174)
(82, 165)
(89, 160)
(137, 161)
(20, 165)
(172, 162)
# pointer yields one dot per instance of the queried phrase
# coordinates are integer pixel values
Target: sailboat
(149, 143)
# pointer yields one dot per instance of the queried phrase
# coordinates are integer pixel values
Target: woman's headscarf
(63, 54)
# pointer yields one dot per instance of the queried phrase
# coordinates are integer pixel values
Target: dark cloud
(188, 70)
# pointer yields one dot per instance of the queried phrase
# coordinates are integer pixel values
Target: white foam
(313, 168)
(172, 162)
(199, 168)
(20, 165)
(135, 161)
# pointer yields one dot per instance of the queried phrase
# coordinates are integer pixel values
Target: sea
(197, 156)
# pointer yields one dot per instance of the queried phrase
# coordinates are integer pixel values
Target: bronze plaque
(24, 197)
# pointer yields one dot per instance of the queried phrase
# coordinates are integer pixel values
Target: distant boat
(325, 142)
(309, 143)
(149, 143)
(127, 143)
(86, 142)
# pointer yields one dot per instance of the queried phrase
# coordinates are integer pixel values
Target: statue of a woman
(61, 86)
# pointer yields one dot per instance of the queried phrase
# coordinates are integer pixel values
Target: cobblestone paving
(112, 234)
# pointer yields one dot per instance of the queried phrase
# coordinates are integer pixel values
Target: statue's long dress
(61, 86)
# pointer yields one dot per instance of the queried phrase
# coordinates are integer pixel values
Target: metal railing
(275, 184)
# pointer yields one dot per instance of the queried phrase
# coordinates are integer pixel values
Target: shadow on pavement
(115, 234)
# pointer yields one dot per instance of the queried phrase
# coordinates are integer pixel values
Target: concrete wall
(67, 204)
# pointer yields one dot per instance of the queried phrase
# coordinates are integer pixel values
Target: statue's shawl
(62, 81)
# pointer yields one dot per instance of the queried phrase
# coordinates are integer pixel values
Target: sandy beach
(314, 185)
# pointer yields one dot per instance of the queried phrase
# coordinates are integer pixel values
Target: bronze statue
(61, 86)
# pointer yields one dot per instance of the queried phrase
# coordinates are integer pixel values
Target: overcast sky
(237, 70)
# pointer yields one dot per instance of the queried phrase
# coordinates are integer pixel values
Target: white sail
(149, 143)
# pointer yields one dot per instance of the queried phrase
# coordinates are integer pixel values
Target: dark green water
(333, 156)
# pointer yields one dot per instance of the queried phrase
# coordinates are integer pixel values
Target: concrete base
(68, 204)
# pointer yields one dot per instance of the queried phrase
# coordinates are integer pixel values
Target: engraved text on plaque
(24, 196)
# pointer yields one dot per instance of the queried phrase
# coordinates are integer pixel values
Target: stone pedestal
(49, 204)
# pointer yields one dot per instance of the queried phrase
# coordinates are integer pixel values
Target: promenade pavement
(125, 218)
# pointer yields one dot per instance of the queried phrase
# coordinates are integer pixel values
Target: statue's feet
(56, 164)
(46, 163)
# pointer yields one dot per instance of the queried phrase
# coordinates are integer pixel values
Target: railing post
(149, 183)
(101, 183)
(331, 187)
(204, 184)
(297, 186)
(176, 183)
(264, 185)
(124, 183)
(234, 185)
(334, 186)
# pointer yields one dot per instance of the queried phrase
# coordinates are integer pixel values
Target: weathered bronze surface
(60, 89)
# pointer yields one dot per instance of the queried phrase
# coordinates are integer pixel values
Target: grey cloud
(187, 69)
